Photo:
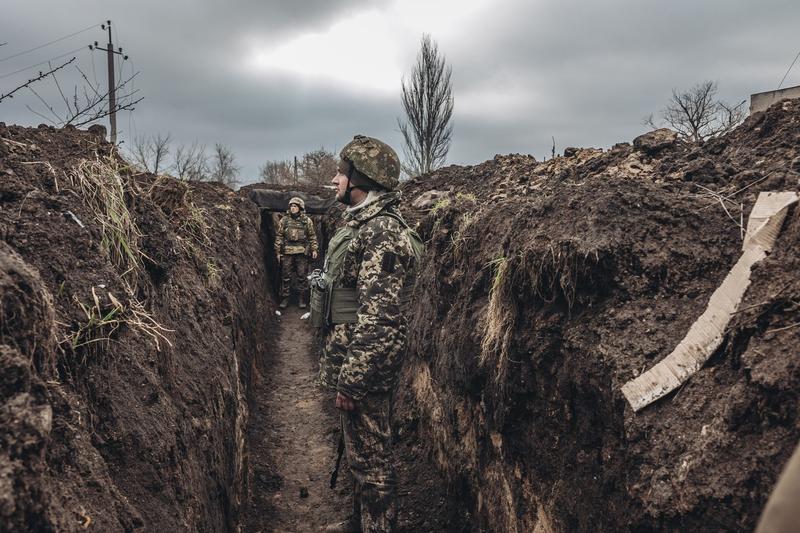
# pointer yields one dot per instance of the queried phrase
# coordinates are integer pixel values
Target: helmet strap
(347, 199)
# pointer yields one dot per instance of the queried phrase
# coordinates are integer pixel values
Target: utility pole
(295, 169)
(112, 85)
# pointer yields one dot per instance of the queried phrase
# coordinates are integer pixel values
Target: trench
(293, 434)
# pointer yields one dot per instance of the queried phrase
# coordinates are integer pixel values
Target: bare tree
(84, 105)
(319, 166)
(696, 114)
(223, 166)
(150, 153)
(277, 172)
(191, 162)
(427, 99)
(316, 167)
(41, 76)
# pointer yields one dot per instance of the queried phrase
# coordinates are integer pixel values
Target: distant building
(761, 101)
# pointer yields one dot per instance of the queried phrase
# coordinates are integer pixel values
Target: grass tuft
(100, 184)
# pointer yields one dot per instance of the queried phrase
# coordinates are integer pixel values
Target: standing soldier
(294, 239)
(369, 261)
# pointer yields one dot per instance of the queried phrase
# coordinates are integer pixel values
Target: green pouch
(317, 304)
(344, 306)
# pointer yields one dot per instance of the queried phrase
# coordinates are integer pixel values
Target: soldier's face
(340, 182)
(294, 209)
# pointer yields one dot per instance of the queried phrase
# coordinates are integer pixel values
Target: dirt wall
(548, 285)
(134, 309)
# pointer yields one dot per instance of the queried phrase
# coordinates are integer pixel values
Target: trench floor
(293, 435)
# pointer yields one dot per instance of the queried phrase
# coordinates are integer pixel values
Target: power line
(41, 63)
(790, 68)
(49, 43)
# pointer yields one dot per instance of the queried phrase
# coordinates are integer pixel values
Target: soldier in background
(294, 240)
(368, 264)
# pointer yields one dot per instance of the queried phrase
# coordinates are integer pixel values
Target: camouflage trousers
(295, 271)
(367, 437)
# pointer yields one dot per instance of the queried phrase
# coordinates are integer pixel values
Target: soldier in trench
(294, 240)
(369, 262)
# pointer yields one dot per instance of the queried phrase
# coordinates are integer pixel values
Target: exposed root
(548, 275)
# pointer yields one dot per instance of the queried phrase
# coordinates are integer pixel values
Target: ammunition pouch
(344, 306)
(317, 304)
(295, 234)
(333, 306)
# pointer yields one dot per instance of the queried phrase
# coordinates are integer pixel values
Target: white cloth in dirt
(372, 196)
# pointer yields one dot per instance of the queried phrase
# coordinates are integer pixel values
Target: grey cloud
(584, 72)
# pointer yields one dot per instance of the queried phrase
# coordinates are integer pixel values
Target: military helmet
(298, 202)
(375, 159)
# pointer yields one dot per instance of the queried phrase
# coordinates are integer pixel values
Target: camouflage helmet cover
(298, 202)
(375, 159)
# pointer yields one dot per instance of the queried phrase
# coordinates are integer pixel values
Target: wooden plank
(706, 334)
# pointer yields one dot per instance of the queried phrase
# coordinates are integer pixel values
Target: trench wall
(547, 287)
(108, 424)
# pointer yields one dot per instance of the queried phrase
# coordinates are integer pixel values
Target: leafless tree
(191, 162)
(427, 99)
(150, 153)
(223, 166)
(316, 167)
(697, 115)
(277, 172)
(87, 104)
(319, 166)
(41, 76)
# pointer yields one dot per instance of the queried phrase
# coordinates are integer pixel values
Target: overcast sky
(277, 79)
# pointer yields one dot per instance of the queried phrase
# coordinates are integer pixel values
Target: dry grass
(460, 237)
(500, 314)
(103, 319)
(100, 184)
(212, 273)
(440, 204)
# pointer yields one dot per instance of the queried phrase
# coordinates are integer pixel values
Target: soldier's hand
(344, 402)
(314, 255)
(280, 258)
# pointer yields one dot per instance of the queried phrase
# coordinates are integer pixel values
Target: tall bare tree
(223, 166)
(696, 114)
(150, 152)
(427, 98)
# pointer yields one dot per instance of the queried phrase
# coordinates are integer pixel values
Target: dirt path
(293, 434)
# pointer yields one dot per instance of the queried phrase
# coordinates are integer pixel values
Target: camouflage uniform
(294, 239)
(362, 360)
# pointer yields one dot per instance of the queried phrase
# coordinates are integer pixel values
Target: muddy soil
(105, 425)
(293, 435)
(549, 285)
(293, 438)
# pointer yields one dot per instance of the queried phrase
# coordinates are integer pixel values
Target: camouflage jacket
(295, 235)
(365, 357)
